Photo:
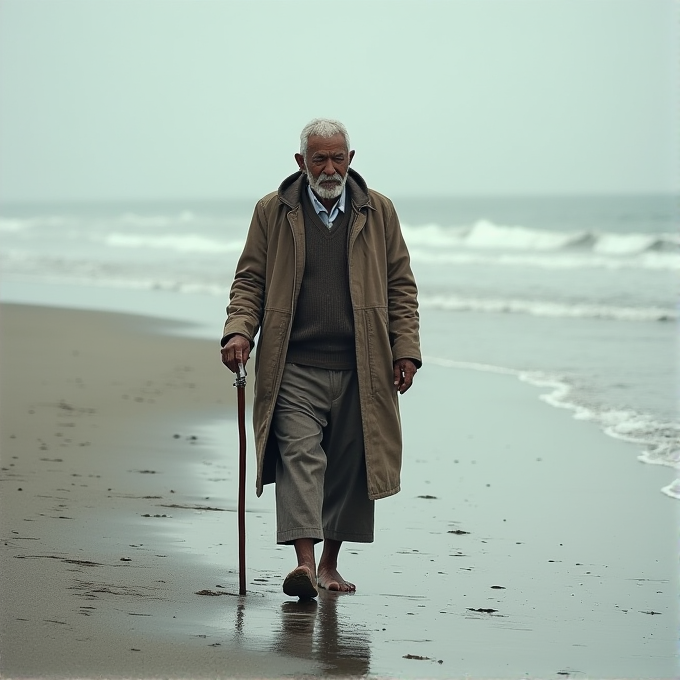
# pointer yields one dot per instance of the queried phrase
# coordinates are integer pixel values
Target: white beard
(323, 192)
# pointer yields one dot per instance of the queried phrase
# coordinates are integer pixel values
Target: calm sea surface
(575, 293)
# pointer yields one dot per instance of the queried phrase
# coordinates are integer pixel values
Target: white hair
(322, 127)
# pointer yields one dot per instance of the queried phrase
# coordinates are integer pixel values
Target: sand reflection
(317, 632)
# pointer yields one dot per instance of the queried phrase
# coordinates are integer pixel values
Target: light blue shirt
(326, 217)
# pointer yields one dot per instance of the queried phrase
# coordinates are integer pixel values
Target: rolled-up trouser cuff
(344, 536)
(287, 537)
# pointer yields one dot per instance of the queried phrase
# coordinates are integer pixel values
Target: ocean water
(575, 294)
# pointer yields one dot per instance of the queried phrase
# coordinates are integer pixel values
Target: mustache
(323, 177)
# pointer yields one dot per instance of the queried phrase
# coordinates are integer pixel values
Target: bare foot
(300, 583)
(330, 579)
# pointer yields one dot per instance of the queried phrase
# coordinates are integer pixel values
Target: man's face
(326, 164)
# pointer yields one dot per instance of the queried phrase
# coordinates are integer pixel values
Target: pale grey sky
(116, 99)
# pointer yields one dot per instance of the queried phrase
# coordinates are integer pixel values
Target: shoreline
(558, 396)
(507, 504)
(195, 316)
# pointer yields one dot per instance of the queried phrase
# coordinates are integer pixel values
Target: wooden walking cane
(240, 385)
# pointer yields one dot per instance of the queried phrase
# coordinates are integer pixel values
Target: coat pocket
(378, 349)
(271, 350)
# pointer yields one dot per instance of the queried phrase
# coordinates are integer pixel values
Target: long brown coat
(384, 300)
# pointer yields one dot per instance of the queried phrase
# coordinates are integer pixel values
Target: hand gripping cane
(240, 385)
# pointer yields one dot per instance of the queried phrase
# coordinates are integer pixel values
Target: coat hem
(384, 494)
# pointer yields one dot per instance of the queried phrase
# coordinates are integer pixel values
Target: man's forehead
(316, 143)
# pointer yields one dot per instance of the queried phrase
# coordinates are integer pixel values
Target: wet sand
(523, 544)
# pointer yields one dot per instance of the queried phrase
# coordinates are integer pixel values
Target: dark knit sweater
(323, 328)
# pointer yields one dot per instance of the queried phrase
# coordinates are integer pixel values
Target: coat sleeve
(403, 317)
(246, 298)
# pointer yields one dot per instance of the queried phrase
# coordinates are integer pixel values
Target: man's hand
(236, 351)
(404, 370)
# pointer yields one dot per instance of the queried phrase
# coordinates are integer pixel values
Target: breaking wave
(485, 242)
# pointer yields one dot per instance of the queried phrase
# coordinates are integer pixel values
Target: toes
(335, 583)
(343, 587)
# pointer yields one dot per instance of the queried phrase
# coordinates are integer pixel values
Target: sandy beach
(524, 543)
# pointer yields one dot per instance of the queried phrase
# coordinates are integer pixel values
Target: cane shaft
(240, 392)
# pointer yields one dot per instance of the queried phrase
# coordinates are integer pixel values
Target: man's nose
(329, 168)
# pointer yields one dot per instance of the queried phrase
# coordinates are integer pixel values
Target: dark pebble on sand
(175, 436)
(125, 559)
(428, 497)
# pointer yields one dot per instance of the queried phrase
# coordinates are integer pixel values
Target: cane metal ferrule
(240, 376)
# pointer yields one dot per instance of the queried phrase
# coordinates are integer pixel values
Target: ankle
(310, 566)
(327, 564)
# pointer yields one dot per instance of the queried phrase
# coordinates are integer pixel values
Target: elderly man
(326, 280)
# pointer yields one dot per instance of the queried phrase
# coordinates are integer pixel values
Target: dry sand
(523, 544)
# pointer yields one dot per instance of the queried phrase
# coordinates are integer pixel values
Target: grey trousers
(321, 489)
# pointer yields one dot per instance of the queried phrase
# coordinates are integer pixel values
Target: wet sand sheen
(522, 541)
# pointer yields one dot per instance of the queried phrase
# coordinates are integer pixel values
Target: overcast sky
(160, 99)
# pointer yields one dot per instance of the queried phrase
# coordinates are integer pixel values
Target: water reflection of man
(312, 632)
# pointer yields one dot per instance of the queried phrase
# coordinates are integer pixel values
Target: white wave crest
(547, 308)
(654, 261)
(624, 244)
(53, 222)
(184, 243)
(484, 235)
(133, 219)
(432, 235)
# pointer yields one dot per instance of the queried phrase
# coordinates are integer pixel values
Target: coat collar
(292, 186)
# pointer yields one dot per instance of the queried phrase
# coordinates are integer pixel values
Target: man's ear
(351, 156)
(300, 160)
